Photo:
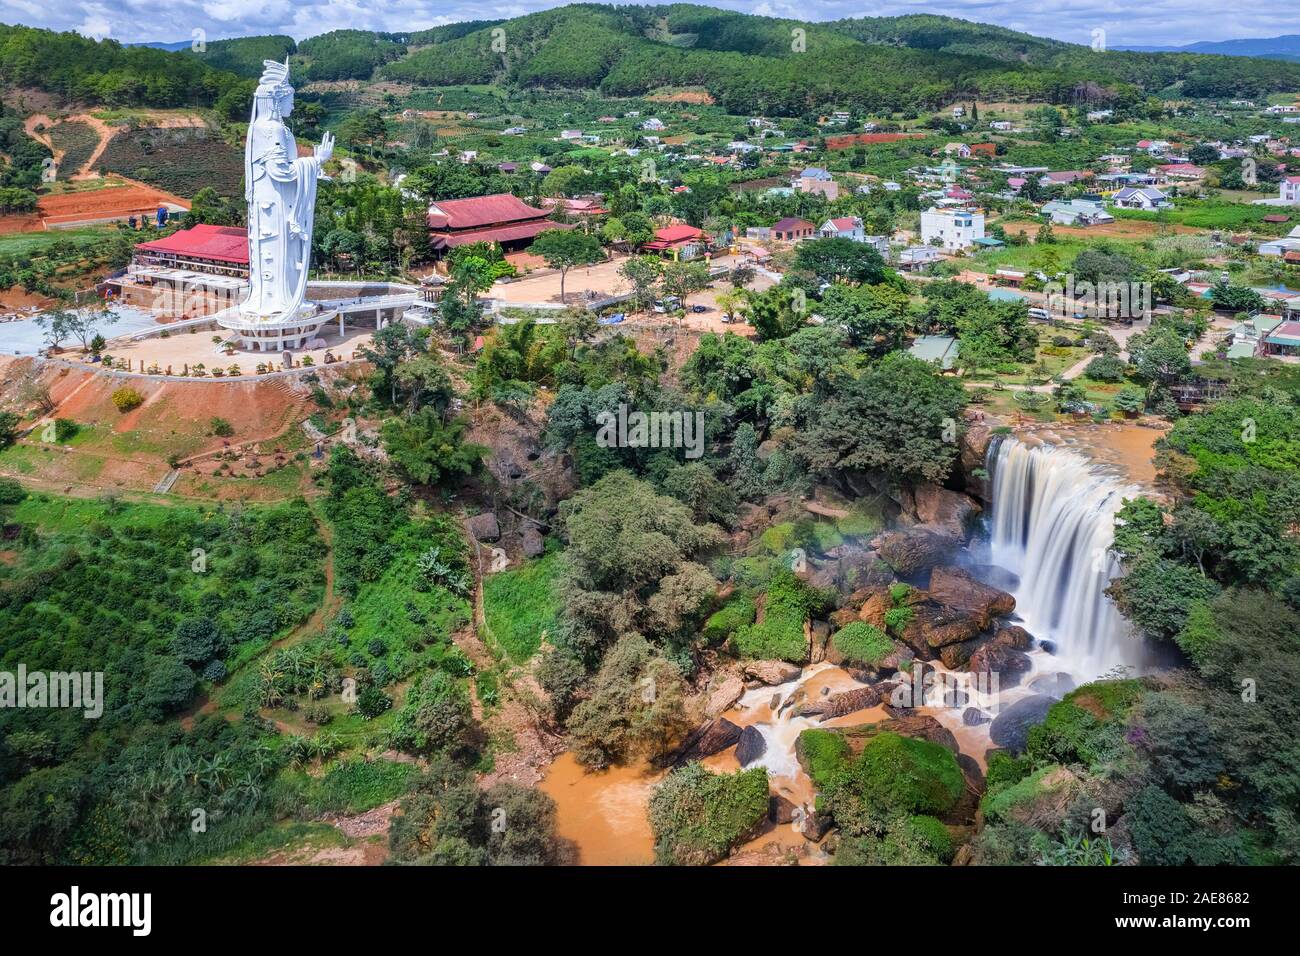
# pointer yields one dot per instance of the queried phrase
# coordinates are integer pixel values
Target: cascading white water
(1053, 522)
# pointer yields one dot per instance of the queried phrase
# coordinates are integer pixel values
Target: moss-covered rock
(698, 817)
(863, 643)
(894, 776)
(822, 754)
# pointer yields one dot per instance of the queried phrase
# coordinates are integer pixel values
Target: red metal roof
(680, 233)
(523, 230)
(845, 223)
(481, 211)
(222, 243)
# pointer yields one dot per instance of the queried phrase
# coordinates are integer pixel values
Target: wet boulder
(974, 717)
(934, 626)
(724, 694)
(751, 746)
(1010, 665)
(1010, 728)
(1013, 635)
(711, 737)
(1053, 685)
(911, 551)
(949, 511)
(772, 672)
(958, 588)
(845, 702)
(780, 809)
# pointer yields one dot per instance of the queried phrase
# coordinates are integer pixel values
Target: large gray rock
(711, 737)
(750, 747)
(1010, 728)
(845, 702)
(485, 527)
(949, 511)
(956, 587)
(724, 695)
(913, 550)
(772, 672)
(1053, 685)
(533, 543)
(1008, 663)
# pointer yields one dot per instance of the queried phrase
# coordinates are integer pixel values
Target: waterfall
(1053, 520)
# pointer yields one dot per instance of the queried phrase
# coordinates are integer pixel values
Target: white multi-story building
(951, 229)
(1290, 190)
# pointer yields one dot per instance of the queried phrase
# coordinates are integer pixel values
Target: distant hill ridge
(1281, 48)
(749, 64)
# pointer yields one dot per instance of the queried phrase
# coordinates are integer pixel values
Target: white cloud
(1152, 22)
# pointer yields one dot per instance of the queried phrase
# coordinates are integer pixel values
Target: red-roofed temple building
(681, 242)
(502, 218)
(192, 272)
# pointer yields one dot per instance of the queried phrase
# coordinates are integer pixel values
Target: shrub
(863, 643)
(65, 429)
(371, 702)
(127, 398)
(11, 492)
(698, 816)
(1004, 769)
(221, 428)
(897, 619)
(1106, 368)
(1130, 399)
(738, 612)
(1164, 834)
(780, 635)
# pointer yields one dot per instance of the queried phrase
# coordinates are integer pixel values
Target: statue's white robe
(281, 192)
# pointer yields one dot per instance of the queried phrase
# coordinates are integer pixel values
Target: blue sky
(1125, 22)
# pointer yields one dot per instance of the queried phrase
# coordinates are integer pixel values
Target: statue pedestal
(277, 332)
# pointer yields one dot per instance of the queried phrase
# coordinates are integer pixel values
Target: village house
(1064, 177)
(1141, 197)
(792, 229)
(846, 227)
(576, 207)
(951, 229)
(1289, 190)
(1282, 247)
(1077, 212)
(917, 257)
(1183, 171)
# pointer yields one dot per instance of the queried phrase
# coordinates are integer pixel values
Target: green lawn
(521, 605)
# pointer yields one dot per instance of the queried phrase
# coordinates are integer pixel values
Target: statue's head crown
(275, 78)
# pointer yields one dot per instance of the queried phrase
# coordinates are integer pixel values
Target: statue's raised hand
(326, 148)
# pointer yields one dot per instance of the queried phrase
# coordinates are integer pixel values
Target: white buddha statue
(280, 189)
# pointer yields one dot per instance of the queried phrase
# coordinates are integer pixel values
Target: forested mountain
(747, 63)
(88, 71)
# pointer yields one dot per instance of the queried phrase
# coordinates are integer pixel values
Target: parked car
(669, 304)
(697, 309)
